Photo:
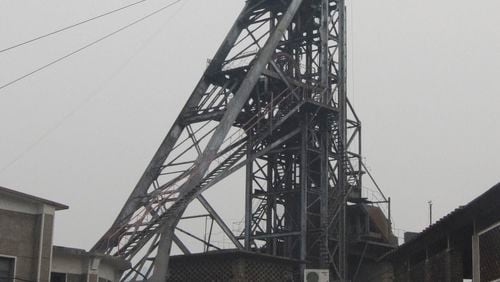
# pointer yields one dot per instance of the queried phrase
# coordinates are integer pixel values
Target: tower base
(233, 266)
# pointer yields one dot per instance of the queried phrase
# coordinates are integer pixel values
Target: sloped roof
(460, 217)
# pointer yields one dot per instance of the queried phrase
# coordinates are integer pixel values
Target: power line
(87, 99)
(70, 26)
(88, 45)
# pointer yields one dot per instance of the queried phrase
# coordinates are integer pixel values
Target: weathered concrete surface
(18, 237)
(80, 265)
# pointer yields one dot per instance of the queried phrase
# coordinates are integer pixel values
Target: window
(57, 277)
(6, 269)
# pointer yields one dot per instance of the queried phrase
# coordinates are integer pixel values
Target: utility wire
(70, 26)
(89, 98)
(88, 45)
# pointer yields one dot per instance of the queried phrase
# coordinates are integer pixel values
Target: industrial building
(26, 235)
(273, 103)
(26, 245)
(464, 244)
(72, 265)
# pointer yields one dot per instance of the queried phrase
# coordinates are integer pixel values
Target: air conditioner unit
(316, 275)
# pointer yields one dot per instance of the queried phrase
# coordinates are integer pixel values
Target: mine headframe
(272, 101)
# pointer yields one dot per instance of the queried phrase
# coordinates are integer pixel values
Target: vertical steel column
(324, 173)
(324, 61)
(303, 193)
(324, 195)
(248, 196)
(342, 84)
(270, 201)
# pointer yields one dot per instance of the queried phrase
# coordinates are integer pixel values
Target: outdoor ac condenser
(316, 275)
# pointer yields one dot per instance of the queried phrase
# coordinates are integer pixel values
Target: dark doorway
(57, 277)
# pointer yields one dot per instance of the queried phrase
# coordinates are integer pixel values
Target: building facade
(27, 225)
(76, 265)
(464, 244)
(26, 246)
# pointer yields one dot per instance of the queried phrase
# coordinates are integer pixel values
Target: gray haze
(423, 78)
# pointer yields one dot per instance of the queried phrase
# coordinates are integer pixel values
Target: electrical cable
(89, 45)
(70, 26)
(88, 99)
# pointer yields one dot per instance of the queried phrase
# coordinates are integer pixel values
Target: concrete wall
(45, 255)
(26, 231)
(76, 278)
(68, 264)
(80, 265)
(108, 272)
(22, 237)
(19, 233)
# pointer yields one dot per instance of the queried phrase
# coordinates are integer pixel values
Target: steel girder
(296, 196)
(273, 100)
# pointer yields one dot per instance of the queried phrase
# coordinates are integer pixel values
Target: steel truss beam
(273, 100)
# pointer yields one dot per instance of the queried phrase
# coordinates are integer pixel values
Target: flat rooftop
(30, 198)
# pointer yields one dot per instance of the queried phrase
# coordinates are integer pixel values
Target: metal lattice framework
(272, 101)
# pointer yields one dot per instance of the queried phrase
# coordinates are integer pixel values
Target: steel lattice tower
(273, 101)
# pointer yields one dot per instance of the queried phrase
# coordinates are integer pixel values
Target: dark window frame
(59, 274)
(13, 261)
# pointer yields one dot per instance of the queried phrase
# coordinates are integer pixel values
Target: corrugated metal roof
(459, 217)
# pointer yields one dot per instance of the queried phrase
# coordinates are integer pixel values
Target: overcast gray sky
(423, 78)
